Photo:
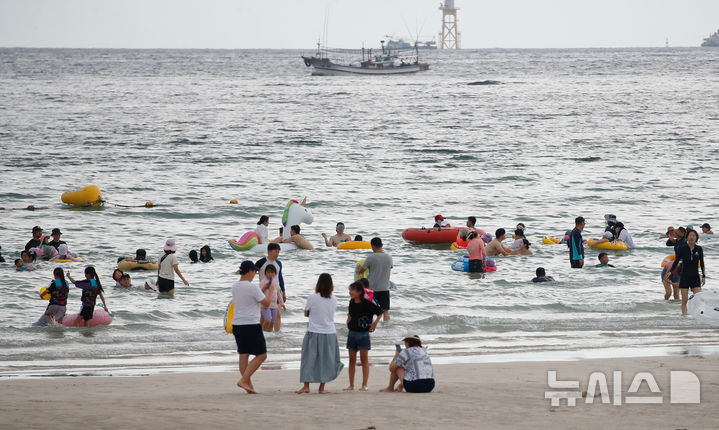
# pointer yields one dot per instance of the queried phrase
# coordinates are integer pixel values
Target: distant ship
(403, 44)
(389, 62)
(712, 40)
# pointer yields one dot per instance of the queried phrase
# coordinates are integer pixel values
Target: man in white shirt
(246, 324)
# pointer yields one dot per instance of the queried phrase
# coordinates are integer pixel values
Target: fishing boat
(328, 62)
(712, 40)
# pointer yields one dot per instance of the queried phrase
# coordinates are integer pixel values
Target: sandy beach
(490, 395)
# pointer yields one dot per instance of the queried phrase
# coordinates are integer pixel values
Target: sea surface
(632, 132)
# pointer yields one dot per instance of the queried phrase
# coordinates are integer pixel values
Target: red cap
(439, 218)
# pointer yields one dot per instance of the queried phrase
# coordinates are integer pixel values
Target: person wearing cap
(441, 222)
(166, 269)
(246, 327)
(412, 367)
(338, 238)
(37, 240)
(380, 263)
(707, 231)
(56, 242)
(576, 245)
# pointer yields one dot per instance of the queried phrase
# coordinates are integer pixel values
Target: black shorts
(86, 312)
(165, 285)
(688, 282)
(249, 339)
(382, 298)
(575, 264)
(476, 266)
(419, 385)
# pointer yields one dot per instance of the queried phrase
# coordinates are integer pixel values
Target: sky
(233, 24)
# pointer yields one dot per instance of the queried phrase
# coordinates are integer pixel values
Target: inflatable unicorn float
(295, 214)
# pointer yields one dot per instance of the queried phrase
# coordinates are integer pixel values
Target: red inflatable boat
(430, 235)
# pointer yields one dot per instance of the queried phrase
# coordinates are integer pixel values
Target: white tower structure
(449, 37)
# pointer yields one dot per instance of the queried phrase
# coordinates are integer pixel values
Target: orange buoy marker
(233, 202)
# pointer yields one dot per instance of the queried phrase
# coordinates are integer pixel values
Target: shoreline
(223, 365)
(501, 395)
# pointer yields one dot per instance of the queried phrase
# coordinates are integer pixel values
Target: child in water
(91, 288)
(271, 282)
(20, 266)
(206, 254)
(360, 325)
(603, 260)
(59, 291)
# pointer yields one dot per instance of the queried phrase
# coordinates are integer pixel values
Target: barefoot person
(360, 325)
(320, 360)
(246, 324)
(691, 258)
(411, 367)
(338, 238)
(380, 264)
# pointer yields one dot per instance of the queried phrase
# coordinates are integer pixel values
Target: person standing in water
(167, 267)
(380, 264)
(576, 244)
(262, 230)
(691, 257)
(338, 238)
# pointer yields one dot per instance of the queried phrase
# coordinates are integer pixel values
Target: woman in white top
(261, 229)
(320, 350)
(166, 269)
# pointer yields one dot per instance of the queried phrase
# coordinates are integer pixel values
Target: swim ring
(550, 240)
(132, 264)
(462, 264)
(669, 259)
(65, 260)
(355, 244)
(364, 275)
(88, 196)
(617, 245)
(229, 316)
(248, 241)
(99, 317)
(44, 293)
(459, 244)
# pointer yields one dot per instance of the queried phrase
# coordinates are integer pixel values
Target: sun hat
(56, 231)
(170, 245)
(36, 228)
(411, 335)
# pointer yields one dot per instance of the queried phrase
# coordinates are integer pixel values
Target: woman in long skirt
(320, 350)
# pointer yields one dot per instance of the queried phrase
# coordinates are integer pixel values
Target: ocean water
(633, 132)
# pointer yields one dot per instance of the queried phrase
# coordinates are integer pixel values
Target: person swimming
(542, 276)
(603, 260)
(206, 254)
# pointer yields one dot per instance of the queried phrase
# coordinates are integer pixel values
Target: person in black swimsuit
(691, 258)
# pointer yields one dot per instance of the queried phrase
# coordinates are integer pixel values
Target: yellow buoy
(88, 196)
(233, 202)
(149, 204)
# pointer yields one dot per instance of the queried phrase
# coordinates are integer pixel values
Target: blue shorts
(419, 385)
(357, 340)
(674, 279)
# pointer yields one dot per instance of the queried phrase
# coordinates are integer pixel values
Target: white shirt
(516, 244)
(322, 314)
(246, 296)
(167, 267)
(262, 232)
(625, 237)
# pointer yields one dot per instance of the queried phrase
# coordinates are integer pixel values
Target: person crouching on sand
(411, 367)
(246, 324)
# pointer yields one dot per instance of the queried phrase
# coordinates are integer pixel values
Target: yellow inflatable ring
(65, 260)
(669, 259)
(617, 245)
(550, 240)
(355, 244)
(131, 264)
